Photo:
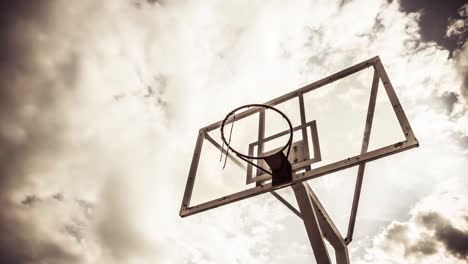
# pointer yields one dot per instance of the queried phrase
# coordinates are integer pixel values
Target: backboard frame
(379, 74)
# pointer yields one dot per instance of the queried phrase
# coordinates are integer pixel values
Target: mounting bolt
(347, 240)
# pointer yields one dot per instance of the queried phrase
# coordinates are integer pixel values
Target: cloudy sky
(101, 101)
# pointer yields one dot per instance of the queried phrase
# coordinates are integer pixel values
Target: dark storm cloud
(41, 64)
(21, 242)
(437, 24)
(31, 122)
(445, 236)
(435, 16)
(454, 240)
(14, 51)
(31, 126)
(399, 233)
(425, 246)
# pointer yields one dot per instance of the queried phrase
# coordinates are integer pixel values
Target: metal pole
(311, 222)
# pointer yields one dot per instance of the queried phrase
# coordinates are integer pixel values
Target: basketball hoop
(247, 157)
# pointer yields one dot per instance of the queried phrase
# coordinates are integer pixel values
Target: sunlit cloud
(100, 104)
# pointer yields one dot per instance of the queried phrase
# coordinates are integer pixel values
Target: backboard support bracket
(319, 226)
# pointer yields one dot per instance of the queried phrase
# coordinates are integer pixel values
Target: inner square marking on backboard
(301, 145)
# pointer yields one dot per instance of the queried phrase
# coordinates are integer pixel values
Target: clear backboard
(331, 123)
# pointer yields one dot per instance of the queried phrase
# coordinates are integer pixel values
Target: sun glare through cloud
(101, 103)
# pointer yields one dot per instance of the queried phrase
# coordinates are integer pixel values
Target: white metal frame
(358, 160)
(318, 224)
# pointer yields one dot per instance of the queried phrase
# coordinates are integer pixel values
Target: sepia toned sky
(101, 101)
